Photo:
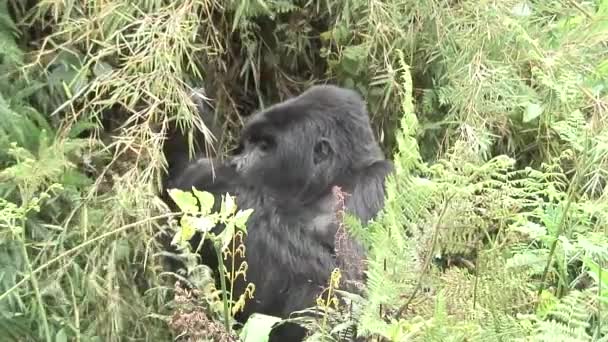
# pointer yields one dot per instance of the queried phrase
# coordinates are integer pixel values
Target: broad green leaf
(203, 224)
(258, 328)
(241, 217)
(184, 200)
(205, 199)
(186, 232)
(226, 235)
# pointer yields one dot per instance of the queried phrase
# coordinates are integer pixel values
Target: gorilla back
(290, 156)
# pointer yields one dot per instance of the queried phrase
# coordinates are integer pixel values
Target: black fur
(176, 148)
(290, 157)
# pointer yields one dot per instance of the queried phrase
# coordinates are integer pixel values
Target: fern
(502, 220)
(572, 130)
(12, 55)
(251, 9)
(406, 200)
(566, 321)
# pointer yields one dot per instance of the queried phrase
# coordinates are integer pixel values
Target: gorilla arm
(206, 174)
(181, 171)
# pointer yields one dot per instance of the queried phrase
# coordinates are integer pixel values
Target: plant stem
(34, 281)
(218, 252)
(559, 231)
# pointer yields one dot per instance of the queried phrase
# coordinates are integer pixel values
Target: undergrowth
(532, 249)
(495, 226)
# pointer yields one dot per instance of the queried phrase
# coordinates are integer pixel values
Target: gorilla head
(290, 156)
(299, 148)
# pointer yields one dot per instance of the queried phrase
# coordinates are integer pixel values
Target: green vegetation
(495, 112)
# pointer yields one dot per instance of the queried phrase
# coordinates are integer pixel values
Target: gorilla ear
(323, 150)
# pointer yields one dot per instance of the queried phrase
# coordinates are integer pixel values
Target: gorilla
(289, 158)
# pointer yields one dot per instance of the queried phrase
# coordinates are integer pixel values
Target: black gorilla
(290, 156)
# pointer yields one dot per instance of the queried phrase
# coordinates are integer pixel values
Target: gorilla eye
(264, 143)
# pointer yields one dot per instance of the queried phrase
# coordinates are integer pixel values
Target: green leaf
(203, 224)
(229, 205)
(184, 200)
(205, 199)
(241, 217)
(353, 58)
(258, 328)
(188, 228)
(533, 110)
(226, 235)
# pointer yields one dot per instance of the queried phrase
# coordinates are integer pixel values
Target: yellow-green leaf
(226, 235)
(188, 228)
(203, 224)
(241, 217)
(184, 200)
(205, 199)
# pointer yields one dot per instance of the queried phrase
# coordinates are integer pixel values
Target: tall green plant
(506, 224)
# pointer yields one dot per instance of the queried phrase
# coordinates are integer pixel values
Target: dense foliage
(496, 223)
